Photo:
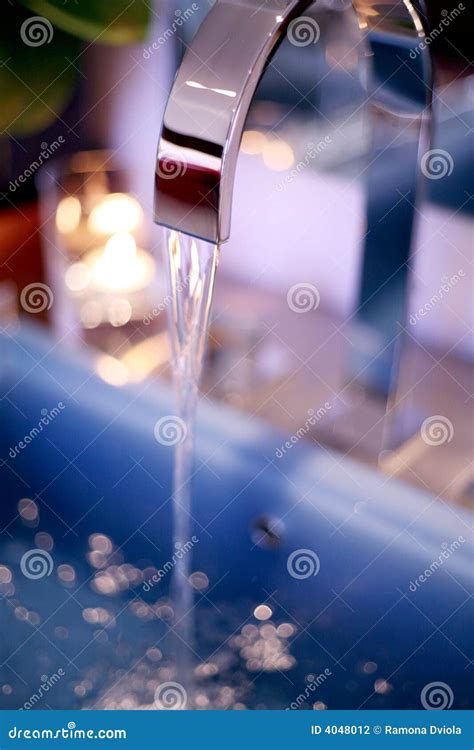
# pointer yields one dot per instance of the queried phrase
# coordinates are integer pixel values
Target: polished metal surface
(215, 85)
(203, 125)
(206, 111)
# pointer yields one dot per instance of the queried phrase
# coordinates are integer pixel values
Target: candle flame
(116, 212)
(120, 265)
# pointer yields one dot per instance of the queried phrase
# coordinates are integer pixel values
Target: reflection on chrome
(209, 102)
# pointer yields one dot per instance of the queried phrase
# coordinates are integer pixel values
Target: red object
(21, 259)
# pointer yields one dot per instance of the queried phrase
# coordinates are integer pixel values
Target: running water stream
(191, 266)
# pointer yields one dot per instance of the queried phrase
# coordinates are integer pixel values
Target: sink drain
(267, 532)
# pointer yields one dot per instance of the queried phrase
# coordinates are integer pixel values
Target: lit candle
(111, 279)
(117, 212)
(81, 222)
(119, 266)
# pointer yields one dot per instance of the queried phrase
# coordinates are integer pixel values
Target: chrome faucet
(203, 125)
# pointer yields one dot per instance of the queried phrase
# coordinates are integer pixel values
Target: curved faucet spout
(206, 112)
(215, 85)
(202, 130)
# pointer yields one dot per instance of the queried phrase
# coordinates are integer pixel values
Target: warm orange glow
(278, 155)
(111, 370)
(116, 212)
(120, 266)
(253, 142)
(68, 214)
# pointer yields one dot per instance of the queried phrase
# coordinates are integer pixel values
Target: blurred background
(83, 93)
(83, 318)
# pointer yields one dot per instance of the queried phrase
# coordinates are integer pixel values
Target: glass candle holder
(104, 281)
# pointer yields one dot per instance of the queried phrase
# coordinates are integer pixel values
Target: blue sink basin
(366, 582)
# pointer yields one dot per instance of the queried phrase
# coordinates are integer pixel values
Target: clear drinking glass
(104, 282)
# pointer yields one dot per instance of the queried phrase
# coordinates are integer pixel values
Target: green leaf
(36, 82)
(105, 21)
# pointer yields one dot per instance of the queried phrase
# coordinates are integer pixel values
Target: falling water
(191, 272)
